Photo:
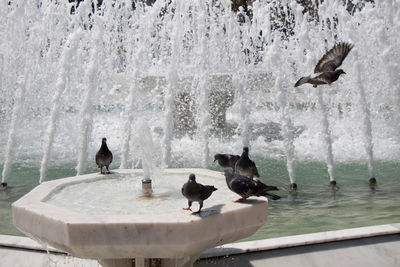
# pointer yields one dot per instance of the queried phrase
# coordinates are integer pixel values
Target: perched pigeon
(325, 72)
(245, 166)
(226, 160)
(246, 187)
(194, 191)
(104, 156)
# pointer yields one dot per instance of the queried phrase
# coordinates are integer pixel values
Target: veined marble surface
(172, 235)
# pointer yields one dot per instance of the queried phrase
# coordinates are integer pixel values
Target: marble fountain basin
(137, 228)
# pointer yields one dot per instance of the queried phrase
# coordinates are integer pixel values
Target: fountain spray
(145, 142)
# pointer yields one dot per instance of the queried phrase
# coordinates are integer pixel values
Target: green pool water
(314, 208)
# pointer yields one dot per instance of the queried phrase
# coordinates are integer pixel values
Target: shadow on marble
(216, 209)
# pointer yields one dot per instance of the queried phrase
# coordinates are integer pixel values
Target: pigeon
(326, 71)
(245, 166)
(245, 187)
(226, 160)
(194, 191)
(104, 156)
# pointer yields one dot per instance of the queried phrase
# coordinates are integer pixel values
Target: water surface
(314, 208)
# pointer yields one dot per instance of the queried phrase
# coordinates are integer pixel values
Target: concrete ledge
(301, 240)
(19, 242)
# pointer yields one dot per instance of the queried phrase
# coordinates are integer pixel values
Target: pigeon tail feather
(263, 188)
(302, 80)
(271, 196)
(211, 187)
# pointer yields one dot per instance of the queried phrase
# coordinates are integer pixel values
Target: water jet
(239, 72)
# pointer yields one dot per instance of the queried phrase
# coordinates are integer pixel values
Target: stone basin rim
(35, 201)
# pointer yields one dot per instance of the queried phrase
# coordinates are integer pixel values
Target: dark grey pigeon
(194, 191)
(104, 156)
(226, 160)
(246, 187)
(326, 71)
(245, 166)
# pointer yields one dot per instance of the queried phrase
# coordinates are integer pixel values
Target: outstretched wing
(333, 58)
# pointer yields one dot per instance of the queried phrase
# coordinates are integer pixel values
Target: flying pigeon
(194, 191)
(245, 187)
(226, 160)
(104, 156)
(326, 71)
(245, 166)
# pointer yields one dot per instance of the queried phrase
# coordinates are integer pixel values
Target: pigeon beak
(344, 72)
(215, 160)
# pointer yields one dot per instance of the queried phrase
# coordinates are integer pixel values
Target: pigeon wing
(254, 169)
(206, 191)
(333, 58)
(183, 190)
(243, 186)
(97, 159)
(192, 191)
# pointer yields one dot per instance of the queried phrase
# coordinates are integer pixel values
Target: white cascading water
(366, 120)
(203, 85)
(21, 79)
(326, 135)
(146, 146)
(61, 85)
(91, 81)
(72, 74)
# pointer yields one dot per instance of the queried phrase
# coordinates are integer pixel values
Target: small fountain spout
(293, 187)
(333, 184)
(147, 189)
(372, 182)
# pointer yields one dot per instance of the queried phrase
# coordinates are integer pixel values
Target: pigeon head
(340, 71)
(246, 149)
(216, 157)
(192, 177)
(104, 140)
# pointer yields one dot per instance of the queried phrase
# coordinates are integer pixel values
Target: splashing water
(76, 73)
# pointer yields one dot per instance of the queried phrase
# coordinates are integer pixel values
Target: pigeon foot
(196, 212)
(188, 208)
(315, 86)
(239, 200)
